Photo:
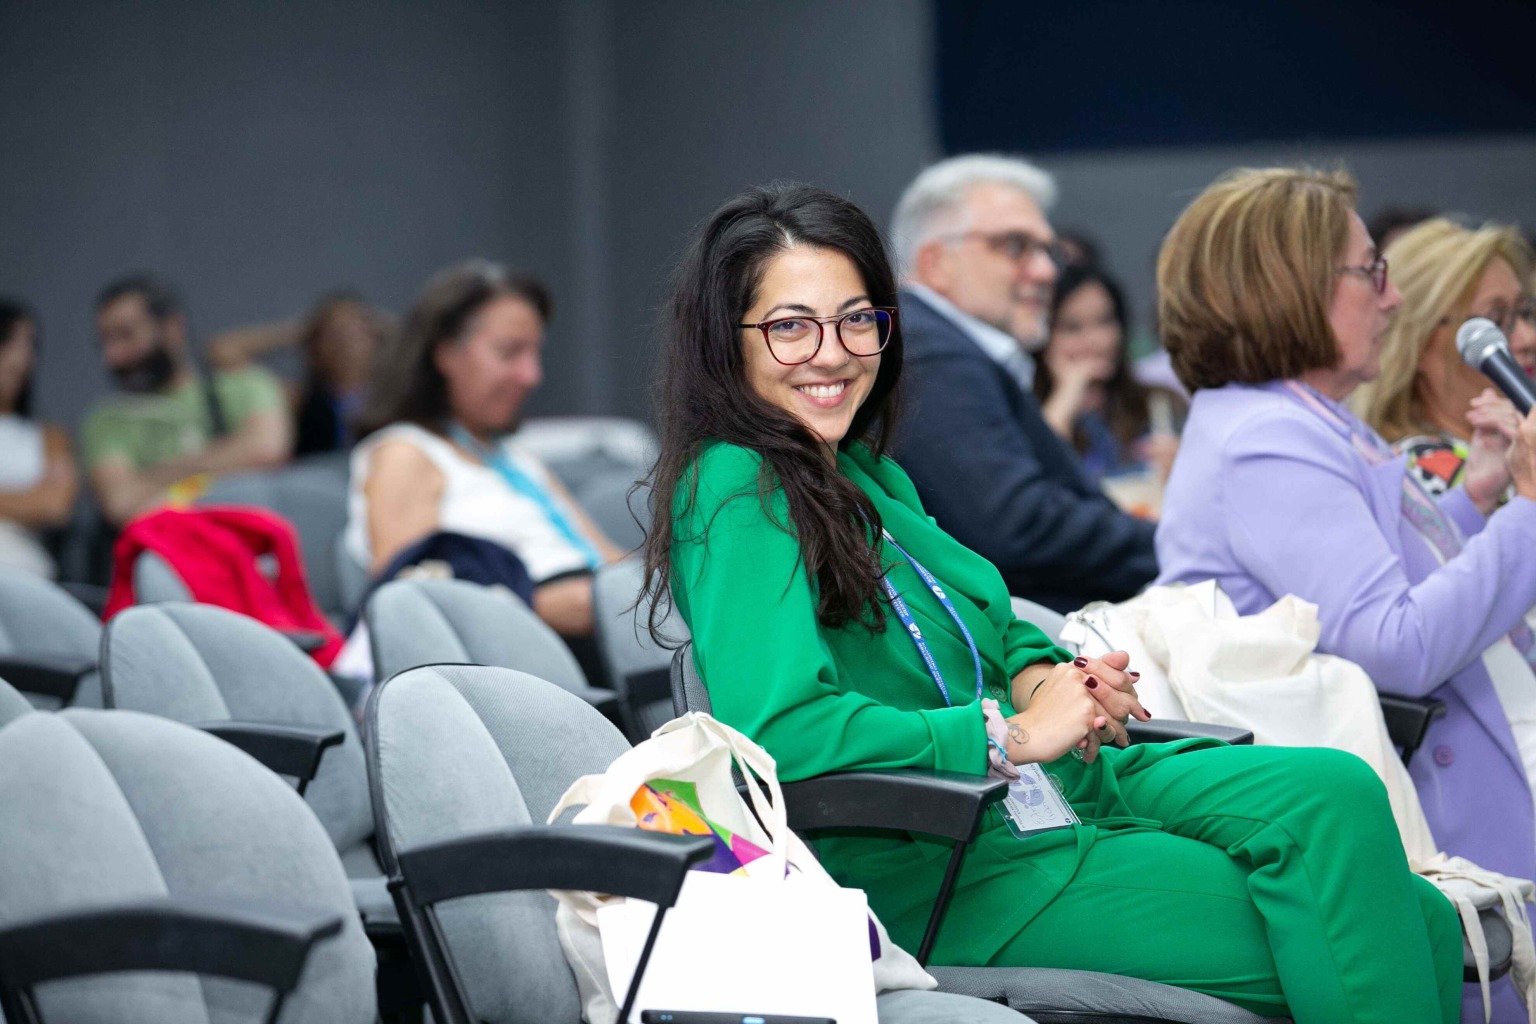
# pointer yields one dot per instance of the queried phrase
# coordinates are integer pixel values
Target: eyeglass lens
(863, 332)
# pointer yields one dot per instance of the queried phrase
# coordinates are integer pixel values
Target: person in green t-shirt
(155, 442)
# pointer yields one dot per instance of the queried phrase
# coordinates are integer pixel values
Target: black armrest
(307, 640)
(293, 750)
(229, 940)
(1408, 720)
(945, 804)
(51, 677)
(596, 858)
(1162, 730)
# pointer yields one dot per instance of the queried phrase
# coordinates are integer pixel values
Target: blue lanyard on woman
(496, 459)
(905, 615)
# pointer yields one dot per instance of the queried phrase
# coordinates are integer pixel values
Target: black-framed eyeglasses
(1015, 245)
(793, 340)
(1374, 271)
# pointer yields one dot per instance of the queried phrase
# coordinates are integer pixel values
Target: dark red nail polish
(1135, 675)
(1080, 662)
(1092, 682)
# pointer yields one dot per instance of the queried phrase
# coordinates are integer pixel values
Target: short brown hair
(1245, 276)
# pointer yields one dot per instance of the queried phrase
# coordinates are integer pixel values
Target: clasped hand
(1077, 705)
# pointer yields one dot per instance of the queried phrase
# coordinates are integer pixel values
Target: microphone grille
(1478, 338)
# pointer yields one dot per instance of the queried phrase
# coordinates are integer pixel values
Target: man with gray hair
(978, 261)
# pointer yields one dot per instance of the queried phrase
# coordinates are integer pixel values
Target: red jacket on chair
(214, 550)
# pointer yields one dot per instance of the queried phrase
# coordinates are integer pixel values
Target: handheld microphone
(1484, 348)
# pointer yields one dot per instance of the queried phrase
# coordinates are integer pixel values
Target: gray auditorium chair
(230, 674)
(639, 669)
(580, 449)
(1049, 620)
(133, 845)
(460, 755)
(433, 622)
(49, 642)
(618, 508)
(955, 808)
(310, 495)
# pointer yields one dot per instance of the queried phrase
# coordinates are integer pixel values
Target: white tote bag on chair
(777, 936)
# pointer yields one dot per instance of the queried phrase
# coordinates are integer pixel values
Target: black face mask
(149, 374)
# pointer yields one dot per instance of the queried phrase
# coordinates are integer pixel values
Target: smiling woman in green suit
(838, 626)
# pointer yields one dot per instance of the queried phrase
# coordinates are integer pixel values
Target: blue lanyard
(905, 615)
(496, 459)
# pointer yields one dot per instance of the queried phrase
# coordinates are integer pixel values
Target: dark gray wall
(259, 154)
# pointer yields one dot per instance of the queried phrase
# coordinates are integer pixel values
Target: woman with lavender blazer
(1273, 302)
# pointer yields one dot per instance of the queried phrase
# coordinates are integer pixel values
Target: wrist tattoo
(1017, 735)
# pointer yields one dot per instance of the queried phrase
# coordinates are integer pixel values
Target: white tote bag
(698, 750)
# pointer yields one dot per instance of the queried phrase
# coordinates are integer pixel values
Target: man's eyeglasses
(793, 340)
(1374, 271)
(1015, 245)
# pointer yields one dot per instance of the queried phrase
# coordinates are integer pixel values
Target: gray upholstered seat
(1050, 621)
(1048, 995)
(435, 622)
(101, 807)
(579, 449)
(41, 623)
(620, 510)
(201, 664)
(457, 750)
(310, 495)
(638, 667)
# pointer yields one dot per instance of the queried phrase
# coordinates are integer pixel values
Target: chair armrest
(595, 858)
(50, 677)
(1162, 730)
(293, 750)
(945, 804)
(1408, 720)
(246, 942)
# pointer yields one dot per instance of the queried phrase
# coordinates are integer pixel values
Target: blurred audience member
(1423, 401)
(1273, 300)
(337, 340)
(37, 471)
(1087, 390)
(172, 427)
(979, 260)
(1392, 221)
(447, 394)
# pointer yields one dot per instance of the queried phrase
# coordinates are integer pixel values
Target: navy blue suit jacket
(997, 477)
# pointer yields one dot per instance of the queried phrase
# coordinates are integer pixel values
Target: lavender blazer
(1269, 499)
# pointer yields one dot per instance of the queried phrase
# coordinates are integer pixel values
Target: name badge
(1035, 804)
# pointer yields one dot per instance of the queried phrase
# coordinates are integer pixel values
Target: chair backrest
(635, 662)
(460, 749)
(12, 703)
(622, 516)
(155, 582)
(578, 449)
(688, 692)
(313, 497)
(1050, 621)
(40, 621)
(99, 807)
(197, 663)
(431, 622)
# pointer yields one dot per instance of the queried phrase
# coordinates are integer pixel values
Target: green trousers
(1274, 879)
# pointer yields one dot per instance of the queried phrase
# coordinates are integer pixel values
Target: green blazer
(824, 700)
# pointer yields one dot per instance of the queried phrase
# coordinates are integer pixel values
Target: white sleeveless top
(22, 463)
(476, 502)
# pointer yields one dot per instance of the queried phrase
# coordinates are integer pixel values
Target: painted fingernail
(1135, 675)
(1092, 683)
(1080, 662)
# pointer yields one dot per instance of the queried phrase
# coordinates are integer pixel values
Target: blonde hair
(1436, 266)
(1245, 276)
